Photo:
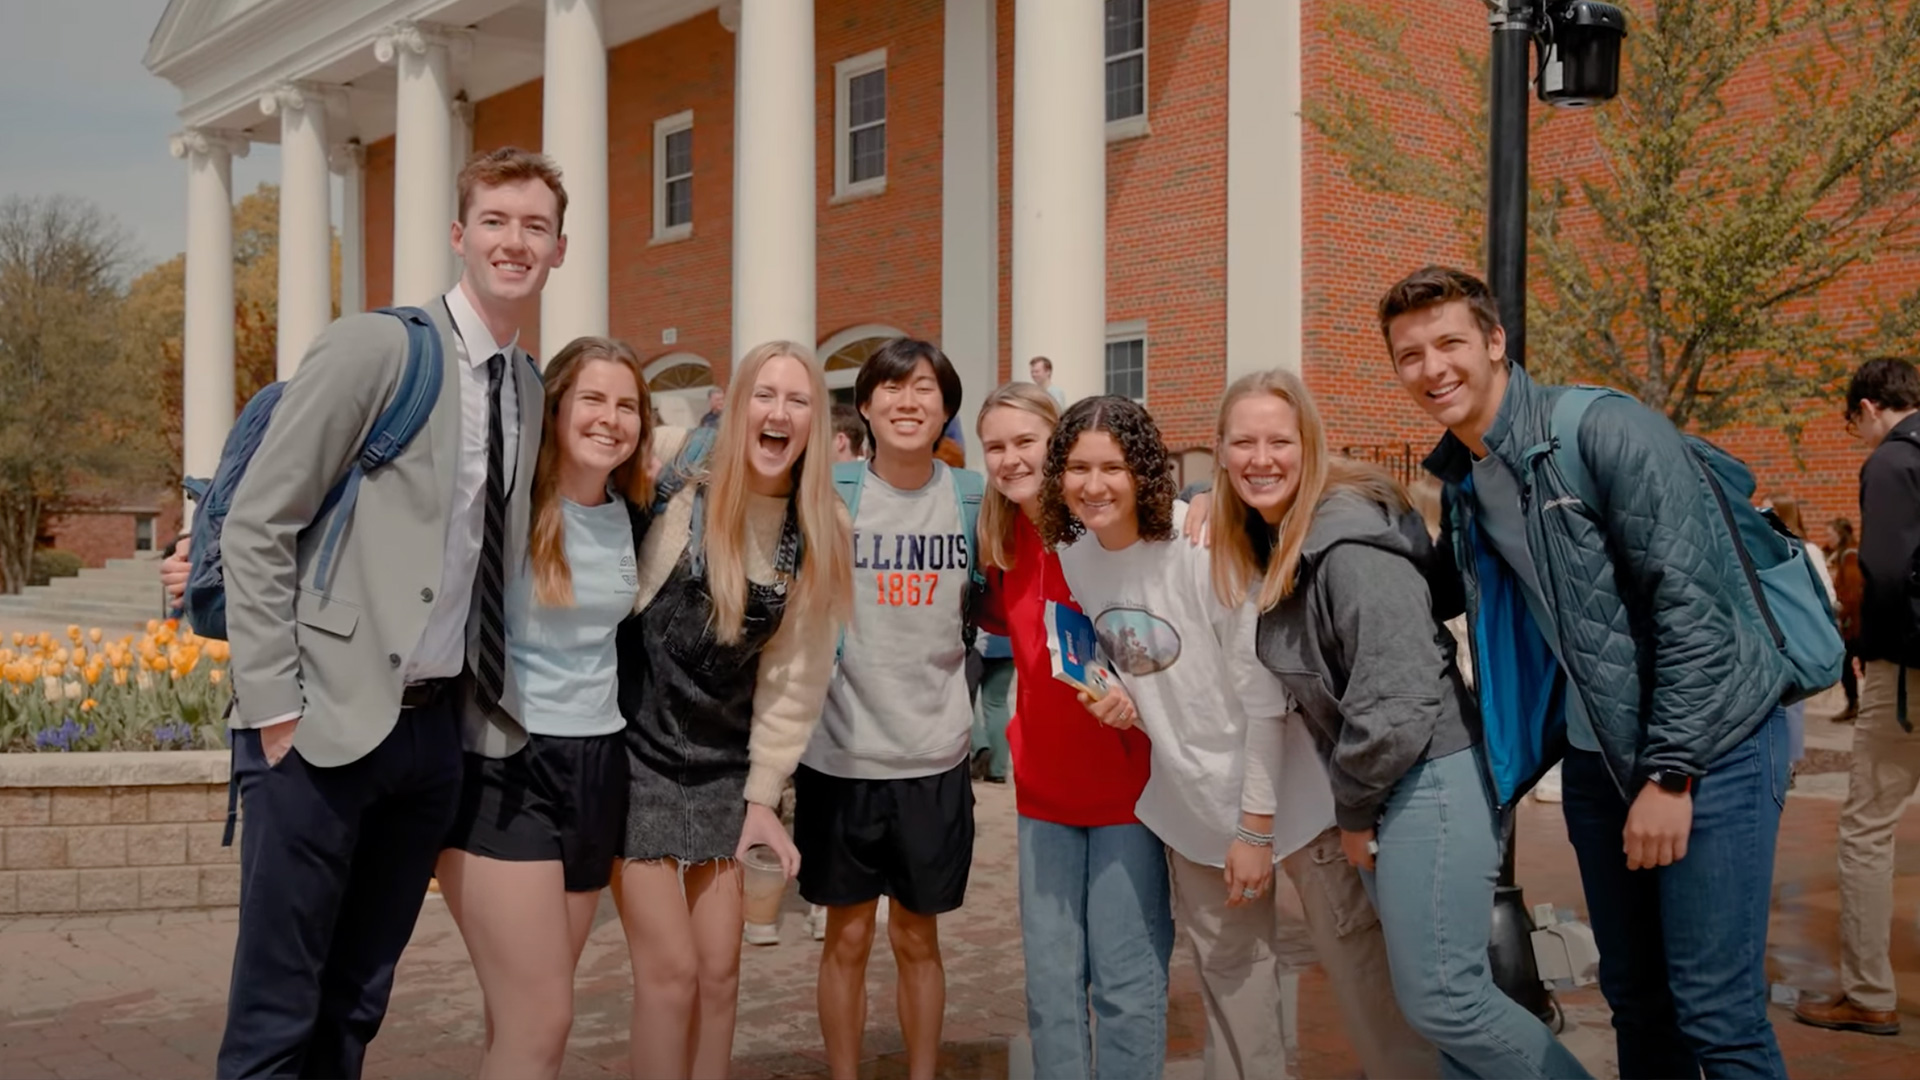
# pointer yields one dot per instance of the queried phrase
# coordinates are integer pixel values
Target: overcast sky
(80, 116)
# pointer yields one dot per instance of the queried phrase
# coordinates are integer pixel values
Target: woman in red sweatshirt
(1095, 915)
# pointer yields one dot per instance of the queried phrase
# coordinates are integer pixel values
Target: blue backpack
(1786, 589)
(205, 602)
(968, 488)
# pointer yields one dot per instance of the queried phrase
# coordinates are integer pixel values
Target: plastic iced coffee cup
(765, 884)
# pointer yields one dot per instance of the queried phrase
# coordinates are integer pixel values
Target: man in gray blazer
(349, 698)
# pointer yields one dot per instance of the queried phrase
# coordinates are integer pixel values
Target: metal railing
(1400, 459)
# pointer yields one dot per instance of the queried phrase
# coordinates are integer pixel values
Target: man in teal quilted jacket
(1614, 634)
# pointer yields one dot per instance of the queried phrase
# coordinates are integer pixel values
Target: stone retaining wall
(92, 832)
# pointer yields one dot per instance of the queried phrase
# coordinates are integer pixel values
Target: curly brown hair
(1133, 428)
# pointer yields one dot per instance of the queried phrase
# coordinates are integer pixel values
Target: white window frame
(844, 73)
(1130, 330)
(1129, 127)
(663, 127)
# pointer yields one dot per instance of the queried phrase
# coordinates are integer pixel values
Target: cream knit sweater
(797, 663)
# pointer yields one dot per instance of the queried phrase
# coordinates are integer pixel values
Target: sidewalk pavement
(142, 995)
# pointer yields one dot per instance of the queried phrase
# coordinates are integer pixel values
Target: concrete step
(108, 588)
(65, 611)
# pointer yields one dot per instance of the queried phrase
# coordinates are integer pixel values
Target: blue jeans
(1683, 947)
(991, 715)
(1433, 887)
(1096, 923)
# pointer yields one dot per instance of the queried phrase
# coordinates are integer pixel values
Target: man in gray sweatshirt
(884, 801)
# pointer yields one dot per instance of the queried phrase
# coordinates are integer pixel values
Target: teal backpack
(968, 487)
(1792, 602)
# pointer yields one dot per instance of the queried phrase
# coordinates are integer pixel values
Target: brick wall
(1358, 242)
(879, 257)
(97, 536)
(126, 847)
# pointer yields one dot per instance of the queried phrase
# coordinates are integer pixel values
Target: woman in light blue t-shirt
(539, 830)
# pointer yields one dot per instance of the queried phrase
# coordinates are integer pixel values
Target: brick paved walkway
(142, 995)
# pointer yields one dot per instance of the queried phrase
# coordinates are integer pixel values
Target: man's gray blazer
(338, 658)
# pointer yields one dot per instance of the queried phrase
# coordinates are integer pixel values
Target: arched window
(678, 383)
(842, 354)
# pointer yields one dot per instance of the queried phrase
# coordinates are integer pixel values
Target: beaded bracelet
(1248, 836)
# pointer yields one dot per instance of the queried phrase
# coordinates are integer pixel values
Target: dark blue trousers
(334, 865)
(1683, 948)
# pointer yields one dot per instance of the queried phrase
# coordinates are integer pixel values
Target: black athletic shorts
(911, 840)
(560, 799)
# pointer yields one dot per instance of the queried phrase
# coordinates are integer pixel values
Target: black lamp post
(1579, 51)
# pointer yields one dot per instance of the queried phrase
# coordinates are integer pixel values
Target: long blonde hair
(826, 567)
(997, 512)
(547, 537)
(1235, 564)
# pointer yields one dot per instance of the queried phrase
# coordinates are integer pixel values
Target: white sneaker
(1548, 789)
(817, 922)
(762, 933)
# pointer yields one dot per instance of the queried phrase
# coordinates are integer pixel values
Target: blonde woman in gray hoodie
(1331, 554)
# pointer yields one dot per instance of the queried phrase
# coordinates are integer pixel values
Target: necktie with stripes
(490, 660)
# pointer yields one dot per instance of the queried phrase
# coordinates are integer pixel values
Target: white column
(970, 208)
(423, 196)
(1265, 285)
(207, 375)
(1060, 191)
(573, 118)
(773, 175)
(462, 122)
(349, 160)
(306, 234)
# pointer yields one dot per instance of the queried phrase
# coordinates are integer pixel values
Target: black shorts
(911, 840)
(560, 799)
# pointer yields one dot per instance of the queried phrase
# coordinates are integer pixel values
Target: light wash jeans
(1096, 924)
(1433, 887)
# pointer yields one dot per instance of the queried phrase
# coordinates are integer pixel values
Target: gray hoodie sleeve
(1391, 705)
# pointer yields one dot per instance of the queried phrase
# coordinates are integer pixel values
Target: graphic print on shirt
(1138, 641)
(906, 566)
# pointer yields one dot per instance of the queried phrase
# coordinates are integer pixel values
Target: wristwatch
(1672, 780)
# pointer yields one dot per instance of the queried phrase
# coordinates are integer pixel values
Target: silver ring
(1249, 894)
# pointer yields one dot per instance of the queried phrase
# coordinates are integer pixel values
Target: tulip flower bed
(166, 689)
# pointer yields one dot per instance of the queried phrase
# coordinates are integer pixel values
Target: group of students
(561, 648)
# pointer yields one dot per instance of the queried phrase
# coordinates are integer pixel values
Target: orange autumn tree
(156, 304)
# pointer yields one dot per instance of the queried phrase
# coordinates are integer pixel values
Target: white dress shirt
(442, 651)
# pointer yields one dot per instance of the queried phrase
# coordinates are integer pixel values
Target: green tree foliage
(1712, 259)
(71, 408)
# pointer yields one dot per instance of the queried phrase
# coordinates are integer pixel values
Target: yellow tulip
(165, 636)
(120, 677)
(216, 676)
(153, 626)
(94, 635)
(93, 673)
(19, 639)
(73, 633)
(79, 657)
(89, 705)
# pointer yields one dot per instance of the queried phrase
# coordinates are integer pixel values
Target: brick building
(838, 171)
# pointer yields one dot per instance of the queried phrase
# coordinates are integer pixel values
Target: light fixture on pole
(1579, 52)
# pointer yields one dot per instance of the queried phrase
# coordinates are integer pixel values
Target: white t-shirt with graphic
(1218, 720)
(898, 707)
